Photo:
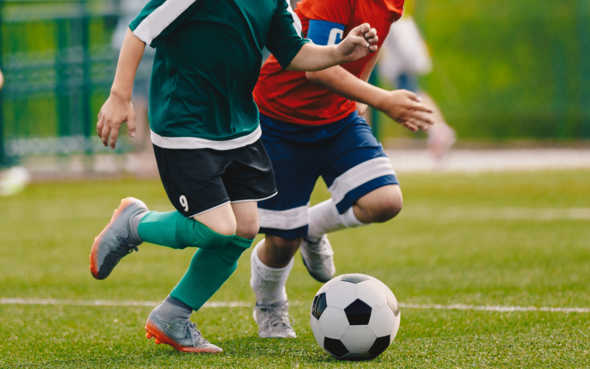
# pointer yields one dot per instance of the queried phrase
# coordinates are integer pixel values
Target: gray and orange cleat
(117, 239)
(182, 334)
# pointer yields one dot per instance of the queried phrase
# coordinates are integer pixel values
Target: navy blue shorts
(345, 154)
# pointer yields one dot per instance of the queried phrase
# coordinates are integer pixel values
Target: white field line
(501, 213)
(474, 161)
(21, 301)
(222, 304)
(501, 309)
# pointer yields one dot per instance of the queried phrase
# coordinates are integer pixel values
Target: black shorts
(198, 180)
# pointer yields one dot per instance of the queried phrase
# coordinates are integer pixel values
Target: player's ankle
(172, 309)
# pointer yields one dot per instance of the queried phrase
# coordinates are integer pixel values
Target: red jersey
(288, 96)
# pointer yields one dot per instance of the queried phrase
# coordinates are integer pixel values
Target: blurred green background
(503, 70)
(510, 68)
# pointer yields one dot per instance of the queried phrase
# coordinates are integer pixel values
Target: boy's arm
(403, 106)
(118, 108)
(360, 107)
(356, 45)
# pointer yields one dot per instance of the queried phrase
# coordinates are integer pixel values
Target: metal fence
(58, 63)
(502, 69)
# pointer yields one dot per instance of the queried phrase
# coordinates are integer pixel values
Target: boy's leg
(364, 190)
(194, 186)
(210, 268)
(247, 178)
(208, 271)
(174, 230)
(284, 219)
(268, 282)
(378, 206)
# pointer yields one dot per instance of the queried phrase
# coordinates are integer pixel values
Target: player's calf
(272, 310)
(277, 252)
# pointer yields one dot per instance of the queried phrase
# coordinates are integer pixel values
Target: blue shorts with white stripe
(345, 154)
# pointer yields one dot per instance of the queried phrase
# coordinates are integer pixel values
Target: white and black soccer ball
(354, 316)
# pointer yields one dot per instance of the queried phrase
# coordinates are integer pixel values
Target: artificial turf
(503, 239)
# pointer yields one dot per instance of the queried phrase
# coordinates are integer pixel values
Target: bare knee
(248, 227)
(220, 220)
(246, 214)
(380, 205)
(388, 209)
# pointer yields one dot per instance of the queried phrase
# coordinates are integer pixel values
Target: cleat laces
(275, 317)
(123, 249)
(194, 334)
(126, 248)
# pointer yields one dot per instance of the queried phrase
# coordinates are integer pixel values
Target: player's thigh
(296, 168)
(361, 166)
(193, 182)
(248, 178)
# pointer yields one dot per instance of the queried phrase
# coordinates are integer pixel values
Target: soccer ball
(354, 316)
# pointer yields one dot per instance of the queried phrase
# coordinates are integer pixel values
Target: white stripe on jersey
(359, 175)
(159, 19)
(202, 143)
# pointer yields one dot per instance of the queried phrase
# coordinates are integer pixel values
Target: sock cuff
(232, 251)
(172, 308)
(349, 220)
(134, 224)
(176, 302)
(242, 242)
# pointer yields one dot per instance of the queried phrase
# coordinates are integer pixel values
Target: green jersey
(208, 58)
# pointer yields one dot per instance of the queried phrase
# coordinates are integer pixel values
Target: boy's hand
(361, 109)
(358, 43)
(406, 108)
(113, 113)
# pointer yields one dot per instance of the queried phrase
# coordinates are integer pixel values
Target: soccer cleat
(318, 258)
(179, 333)
(115, 241)
(274, 321)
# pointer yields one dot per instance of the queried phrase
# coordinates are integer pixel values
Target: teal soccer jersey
(208, 57)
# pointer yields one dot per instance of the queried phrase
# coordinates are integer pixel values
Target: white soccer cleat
(274, 321)
(318, 258)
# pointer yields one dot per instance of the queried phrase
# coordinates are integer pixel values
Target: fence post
(86, 82)
(374, 80)
(584, 60)
(3, 157)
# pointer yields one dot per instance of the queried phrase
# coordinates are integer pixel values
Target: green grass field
(519, 239)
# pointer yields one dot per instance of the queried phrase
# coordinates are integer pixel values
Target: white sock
(268, 283)
(324, 218)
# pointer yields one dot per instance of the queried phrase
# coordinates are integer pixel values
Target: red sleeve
(336, 11)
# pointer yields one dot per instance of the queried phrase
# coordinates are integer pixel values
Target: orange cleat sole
(94, 251)
(159, 337)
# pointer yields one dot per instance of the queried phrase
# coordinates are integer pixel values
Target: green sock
(176, 231)
(208, 271)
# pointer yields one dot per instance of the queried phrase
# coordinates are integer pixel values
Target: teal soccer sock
(208, 271)
(176, 231)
